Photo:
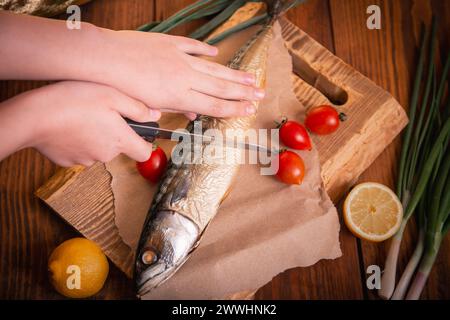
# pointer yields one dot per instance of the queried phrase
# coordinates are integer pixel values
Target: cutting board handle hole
(334, 93)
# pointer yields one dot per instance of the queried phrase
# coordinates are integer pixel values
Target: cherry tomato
(291, 168)
(154, 167)
(323, 119)
(294, 135)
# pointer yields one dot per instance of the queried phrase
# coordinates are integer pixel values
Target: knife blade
(151, 131)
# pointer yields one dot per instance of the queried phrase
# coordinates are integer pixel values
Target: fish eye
(149, 257)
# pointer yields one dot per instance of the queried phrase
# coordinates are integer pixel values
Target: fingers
(204, 104)
(154, 114)
(220, 71)
(225, 89)
(190, 115)
(134, 109)
(136, 147)
(192, 46)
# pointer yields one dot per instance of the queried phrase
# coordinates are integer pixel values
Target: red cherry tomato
(291, 168)
(294, 135)
(323, 119)
(154, 167)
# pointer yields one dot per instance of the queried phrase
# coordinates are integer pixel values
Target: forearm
(44, 49)
(17, 127)
(161, 71)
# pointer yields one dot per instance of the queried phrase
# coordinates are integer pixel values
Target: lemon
(78, 268)
(372, 212)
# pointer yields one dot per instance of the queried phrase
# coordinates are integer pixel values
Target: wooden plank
(94, 216)
(379, 64)
(119, 15)
(327, 279)
(441, 9)
(375, 118)
(24, 251)
(343, 156)
(390, 60)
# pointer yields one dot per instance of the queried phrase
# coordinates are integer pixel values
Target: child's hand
(75, 123)
(160, 71)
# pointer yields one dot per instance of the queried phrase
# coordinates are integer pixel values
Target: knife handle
(147, 130)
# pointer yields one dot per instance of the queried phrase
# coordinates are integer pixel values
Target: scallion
(423, 182)
(218, 10)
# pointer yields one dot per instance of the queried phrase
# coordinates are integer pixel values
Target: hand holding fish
(164, 74)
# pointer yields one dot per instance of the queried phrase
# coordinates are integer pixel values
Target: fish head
(169, 239)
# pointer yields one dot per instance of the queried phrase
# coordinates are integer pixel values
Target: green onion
(204, 30)
(220, 10)
(148, 26)
(183, 13)
(403, 192)
(435, 232)
(403, 283)
(245, 24)
(238, 27)
(192, 12)
(401, 188)
(423, 183)
(416, 143)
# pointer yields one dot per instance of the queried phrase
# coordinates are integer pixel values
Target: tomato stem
(342, 116)
(283, 121)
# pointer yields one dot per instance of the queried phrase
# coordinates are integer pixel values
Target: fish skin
(189, 195)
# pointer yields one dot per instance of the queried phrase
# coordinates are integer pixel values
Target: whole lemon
(78, 268)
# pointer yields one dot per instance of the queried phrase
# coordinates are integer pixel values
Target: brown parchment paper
(263, 228)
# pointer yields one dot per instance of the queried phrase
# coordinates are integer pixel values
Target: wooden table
(29, 230)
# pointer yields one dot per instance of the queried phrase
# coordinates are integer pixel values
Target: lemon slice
(372, 212)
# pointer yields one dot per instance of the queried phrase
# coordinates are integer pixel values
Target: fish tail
(275, 8)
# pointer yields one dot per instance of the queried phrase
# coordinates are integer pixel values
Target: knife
(151, 131)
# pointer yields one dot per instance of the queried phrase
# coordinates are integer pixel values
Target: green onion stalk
(388, 278)
(402, 286)
(408, 273)
(422, 169)
(217, 10)
(435, 229)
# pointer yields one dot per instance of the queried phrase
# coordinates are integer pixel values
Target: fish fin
(181, 191)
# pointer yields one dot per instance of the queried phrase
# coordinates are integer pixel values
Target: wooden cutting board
(83, 196)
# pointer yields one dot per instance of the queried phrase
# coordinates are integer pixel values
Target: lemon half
(372, 212)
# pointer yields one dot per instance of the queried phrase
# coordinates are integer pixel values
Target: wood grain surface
(29, 231)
